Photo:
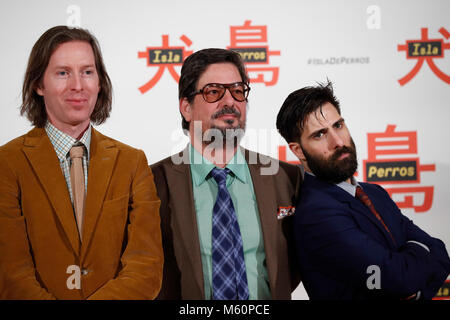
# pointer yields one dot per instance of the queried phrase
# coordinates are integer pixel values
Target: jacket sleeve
(17, 269)
(440, 262)
(414, 233)
(342, 251)
(142, 260)
(171, 284)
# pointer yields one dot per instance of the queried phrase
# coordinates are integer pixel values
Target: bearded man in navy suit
(352, 240)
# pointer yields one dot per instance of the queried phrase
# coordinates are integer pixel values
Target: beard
(332, 169)
(229, 135)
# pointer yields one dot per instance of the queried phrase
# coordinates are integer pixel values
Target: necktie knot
(359, 192)
(76, 152)
(220, 175)
(363, 197)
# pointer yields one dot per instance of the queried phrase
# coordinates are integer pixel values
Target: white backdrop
(354, 43)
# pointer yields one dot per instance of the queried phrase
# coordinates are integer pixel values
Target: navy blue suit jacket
(338, 238)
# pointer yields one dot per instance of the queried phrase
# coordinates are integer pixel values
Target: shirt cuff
(420, 244)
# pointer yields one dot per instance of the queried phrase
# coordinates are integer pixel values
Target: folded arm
(342, 251)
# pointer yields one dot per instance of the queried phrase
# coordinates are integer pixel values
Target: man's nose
(335, 140)
(76, 82)
(228, 97)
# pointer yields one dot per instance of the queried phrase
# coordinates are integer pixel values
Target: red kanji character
(416, 44)
(377, 143)
(245, 39)
(164, 57)
(408, 200)
(384, 170)
(260, 76)
(247, 34)
(393, 143)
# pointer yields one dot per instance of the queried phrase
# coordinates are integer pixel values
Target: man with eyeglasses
(225, 212)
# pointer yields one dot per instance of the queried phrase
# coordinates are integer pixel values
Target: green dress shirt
(240, 187)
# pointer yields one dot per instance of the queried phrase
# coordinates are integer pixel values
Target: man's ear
(39, 90)
(185, 109)
(297, 150)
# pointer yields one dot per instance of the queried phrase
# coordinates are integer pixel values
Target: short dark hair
(194, 66)
(299, 104)
(33, 104)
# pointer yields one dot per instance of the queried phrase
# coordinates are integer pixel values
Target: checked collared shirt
(62, 143)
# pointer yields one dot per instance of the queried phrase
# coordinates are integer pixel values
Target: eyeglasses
(213, 92)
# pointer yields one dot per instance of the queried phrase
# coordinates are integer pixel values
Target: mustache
(226, 110)
(339, 152)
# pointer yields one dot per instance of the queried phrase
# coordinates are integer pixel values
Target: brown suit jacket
(183, 274)
(120, 254)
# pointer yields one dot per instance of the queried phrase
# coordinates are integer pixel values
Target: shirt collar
(201, 167)
(62, 142)
(348, 187)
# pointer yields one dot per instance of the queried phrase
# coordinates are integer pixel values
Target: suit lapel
(103, 155)
(267, 208)
(357, 206)
(363, 208)
(179, 182)
(40, 153)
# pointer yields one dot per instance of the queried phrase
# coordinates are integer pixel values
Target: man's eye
(212, 91)
(318, 134)
(62, 73)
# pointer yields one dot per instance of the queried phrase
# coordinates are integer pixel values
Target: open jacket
(120, 253)
(183, 274)
(343, 248)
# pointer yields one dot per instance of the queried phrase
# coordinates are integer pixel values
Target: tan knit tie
(77, 182)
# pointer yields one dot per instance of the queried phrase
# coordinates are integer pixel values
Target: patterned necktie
(228, 266)
(77, 183)
(364, 198)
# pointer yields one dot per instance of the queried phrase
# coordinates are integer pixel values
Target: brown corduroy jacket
(120, 254)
